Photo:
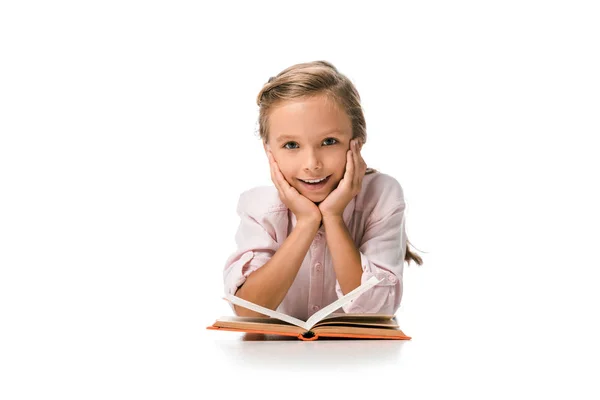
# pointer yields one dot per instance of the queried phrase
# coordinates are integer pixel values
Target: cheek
(287, 172)
(340, 163)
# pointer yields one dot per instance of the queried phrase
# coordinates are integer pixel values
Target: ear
(266, 146)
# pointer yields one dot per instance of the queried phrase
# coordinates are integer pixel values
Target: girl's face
(309, 139)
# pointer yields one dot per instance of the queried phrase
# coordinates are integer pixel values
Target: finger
(289, 192)
(280, 179)
(351, 168)
(354, 154)
(356, 165)
(346, 179)
(271, 167)
(284, 187)
(360, 157)
(274, 176)
(361, 165)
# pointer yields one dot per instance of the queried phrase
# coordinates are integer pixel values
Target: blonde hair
(312, 79)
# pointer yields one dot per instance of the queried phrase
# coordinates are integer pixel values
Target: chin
(315, 198)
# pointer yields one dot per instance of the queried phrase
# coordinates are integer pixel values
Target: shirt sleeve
(381, 255)
(256, 244)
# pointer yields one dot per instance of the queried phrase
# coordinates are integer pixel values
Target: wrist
(309, 222)
(331, 217)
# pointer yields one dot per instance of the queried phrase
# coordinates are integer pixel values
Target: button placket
(315, 296)
(318, 268)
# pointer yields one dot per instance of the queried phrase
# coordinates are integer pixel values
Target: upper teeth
(315, 181)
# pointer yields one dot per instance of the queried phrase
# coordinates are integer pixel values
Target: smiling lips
(314, 180)
(314, 186)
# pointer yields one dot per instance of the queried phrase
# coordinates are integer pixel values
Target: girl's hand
(350, 185)
(302, 207)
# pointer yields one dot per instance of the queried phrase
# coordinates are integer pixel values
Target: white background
(129, 129)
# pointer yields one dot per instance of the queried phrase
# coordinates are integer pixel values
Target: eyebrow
(288, 137)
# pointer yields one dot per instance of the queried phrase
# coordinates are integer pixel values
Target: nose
(312, 161)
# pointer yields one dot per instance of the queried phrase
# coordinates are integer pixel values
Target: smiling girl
(329, 223)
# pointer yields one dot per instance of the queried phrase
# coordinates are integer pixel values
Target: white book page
(316, 316)
(263, 310)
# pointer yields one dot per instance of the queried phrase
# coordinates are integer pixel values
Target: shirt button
(318, 267)
(315, 308)
(392, 279)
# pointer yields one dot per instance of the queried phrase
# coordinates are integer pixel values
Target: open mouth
(314, 186)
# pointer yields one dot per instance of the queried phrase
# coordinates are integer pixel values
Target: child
(329, 223)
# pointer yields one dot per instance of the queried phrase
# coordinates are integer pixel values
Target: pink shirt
(375, 220)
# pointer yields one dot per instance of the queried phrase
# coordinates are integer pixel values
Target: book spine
(308, 336)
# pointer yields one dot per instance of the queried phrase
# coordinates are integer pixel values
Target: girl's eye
(285, 145)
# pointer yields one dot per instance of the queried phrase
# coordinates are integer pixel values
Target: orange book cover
(337, 325)
(324, 323)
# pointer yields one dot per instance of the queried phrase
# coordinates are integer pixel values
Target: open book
(324, 323)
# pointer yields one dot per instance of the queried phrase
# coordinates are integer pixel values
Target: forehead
(308, 119)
